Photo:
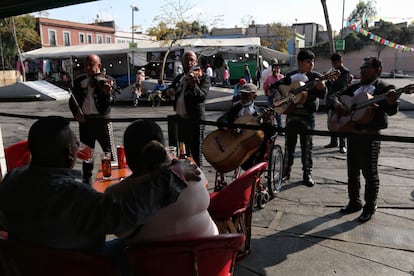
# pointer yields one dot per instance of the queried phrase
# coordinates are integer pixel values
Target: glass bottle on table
(182, 153)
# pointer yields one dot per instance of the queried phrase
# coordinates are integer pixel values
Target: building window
(66, 38)
(89, 39)
(99, 39)
(52, 37)
(108, 40)
(81, 38)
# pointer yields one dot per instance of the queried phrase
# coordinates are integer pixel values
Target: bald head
(92, 65)
(93, 57)
(189, 60)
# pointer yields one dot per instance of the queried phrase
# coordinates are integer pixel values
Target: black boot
(307, 179)
(352, 207)
(332, 144)
(367, 213)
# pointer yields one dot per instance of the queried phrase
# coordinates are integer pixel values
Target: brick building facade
(65, 33)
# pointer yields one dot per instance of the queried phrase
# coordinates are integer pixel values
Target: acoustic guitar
(226, 150)
(362, 110)
(297, 92)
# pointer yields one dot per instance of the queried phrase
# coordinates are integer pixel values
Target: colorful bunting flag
(378, 38)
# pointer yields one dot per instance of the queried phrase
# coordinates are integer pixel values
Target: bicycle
(273, 176)
(275, 168)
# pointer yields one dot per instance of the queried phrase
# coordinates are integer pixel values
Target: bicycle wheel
(274, 170)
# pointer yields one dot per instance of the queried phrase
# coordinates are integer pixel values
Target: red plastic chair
(232, 208)
(27, 260)
(209, 256)
(17, 155)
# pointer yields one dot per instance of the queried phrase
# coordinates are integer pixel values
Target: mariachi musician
(246, 107)
(363, 151)
(189, 91)
(302, 117)
(90, 106)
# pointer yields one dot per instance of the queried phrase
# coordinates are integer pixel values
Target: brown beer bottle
(182, 151)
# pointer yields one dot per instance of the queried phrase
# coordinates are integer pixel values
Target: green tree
(353, 42)
(27, 37)
(386, 30)
(161, 31)
(177, 22)
(363, 12)
(280, 35)
(407, 35)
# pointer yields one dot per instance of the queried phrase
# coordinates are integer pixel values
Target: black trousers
(92, 130)
(294, 126)
(363, 156)
(191, 133)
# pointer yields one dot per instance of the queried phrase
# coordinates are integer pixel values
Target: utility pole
(132, 45)
(343, 17)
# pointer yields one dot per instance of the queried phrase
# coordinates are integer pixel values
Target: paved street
(301, 232)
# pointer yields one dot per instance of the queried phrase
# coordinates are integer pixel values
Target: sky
(266, 11)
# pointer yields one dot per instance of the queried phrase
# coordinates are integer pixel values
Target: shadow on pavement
(279, 246)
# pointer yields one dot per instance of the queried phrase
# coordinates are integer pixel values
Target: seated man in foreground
(46, 203)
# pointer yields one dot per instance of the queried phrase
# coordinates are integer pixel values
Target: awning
(204, 46)
(84, 50)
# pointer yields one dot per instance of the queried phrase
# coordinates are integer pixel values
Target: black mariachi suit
(189, 129)
(363, 151)
(95, 126)
(300, 119)
(336, 86)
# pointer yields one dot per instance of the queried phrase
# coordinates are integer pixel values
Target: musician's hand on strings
(79, 117)
(392, 97)
(319, 84)
(267, 115)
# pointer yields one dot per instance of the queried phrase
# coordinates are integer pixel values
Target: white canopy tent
(140, 57)
(205, 46)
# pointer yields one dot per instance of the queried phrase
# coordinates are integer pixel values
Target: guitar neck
(376, 99)
(307, 86)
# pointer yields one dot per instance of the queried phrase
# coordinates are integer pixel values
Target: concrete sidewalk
(301, 232)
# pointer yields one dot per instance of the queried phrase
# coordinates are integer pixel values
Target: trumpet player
(189, 91)
(90, 106)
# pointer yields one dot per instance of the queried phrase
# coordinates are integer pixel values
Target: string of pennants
(378, 38)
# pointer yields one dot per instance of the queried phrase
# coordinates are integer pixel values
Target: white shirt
(247, 109)
(209, 72)
(88, 106)
(368, 88)
(180, 107)
(299, 77)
